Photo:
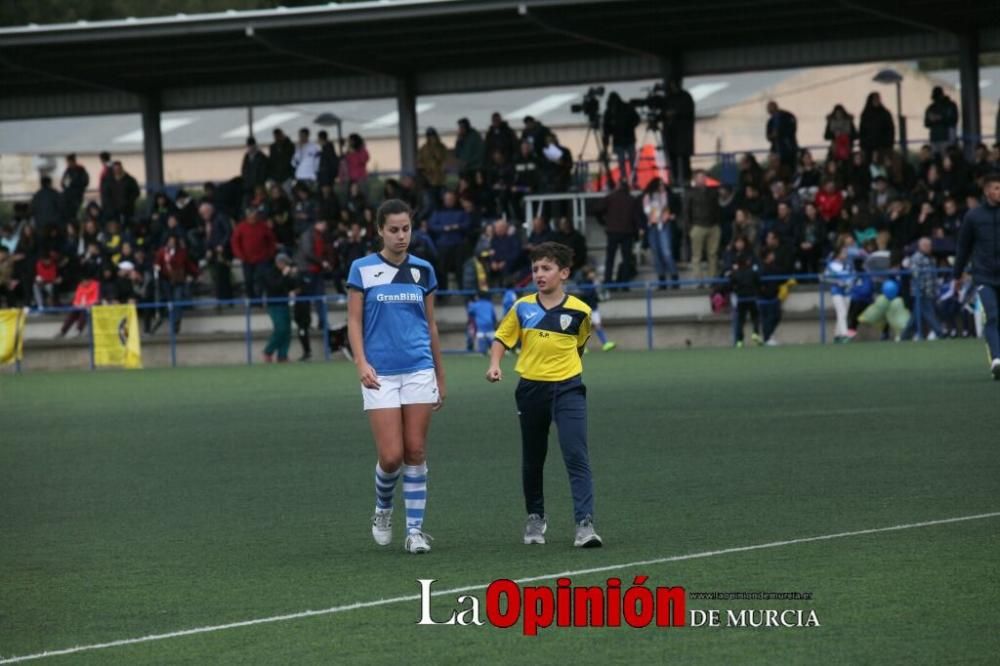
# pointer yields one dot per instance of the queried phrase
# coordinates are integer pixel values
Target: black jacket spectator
(280, 157)
(46, 206)
(679, 125)
(121, 191)
(941, 117)
(74, 184)
(574, 240)
(877, 130)
(329, 162)
(620, 121)
(254, 169)
(469, 147)
(500, 137)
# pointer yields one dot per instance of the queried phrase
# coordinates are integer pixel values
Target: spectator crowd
(309, 202)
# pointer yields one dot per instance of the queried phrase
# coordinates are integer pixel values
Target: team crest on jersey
(564, 321)
(415, 272)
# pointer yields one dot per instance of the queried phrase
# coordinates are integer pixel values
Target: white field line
(482, 586)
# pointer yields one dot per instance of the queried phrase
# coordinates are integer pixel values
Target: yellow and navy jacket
(551, 340)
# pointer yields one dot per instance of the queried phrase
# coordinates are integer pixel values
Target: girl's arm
(355, 333)
(435, 349)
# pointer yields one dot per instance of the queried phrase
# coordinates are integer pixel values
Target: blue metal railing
(175, 308)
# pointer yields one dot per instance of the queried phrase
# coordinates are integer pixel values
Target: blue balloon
(890, 289)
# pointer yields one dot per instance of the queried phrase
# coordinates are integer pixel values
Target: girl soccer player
(390, 313)
(552, 328)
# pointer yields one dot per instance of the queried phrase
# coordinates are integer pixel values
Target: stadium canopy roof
(407, 48)
(362, 50)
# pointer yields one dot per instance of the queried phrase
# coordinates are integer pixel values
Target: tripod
(661, 160)
(604, 169)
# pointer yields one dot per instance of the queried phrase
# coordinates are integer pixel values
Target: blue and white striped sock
(385, 486)
(415, 495)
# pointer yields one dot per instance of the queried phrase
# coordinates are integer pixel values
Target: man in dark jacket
(74, 184)
(781, 130)
(621, 225)
(280, 157)
(469, 147)
(277, 283)
(678, 128)
(534, 133)
(620, 121)
(218, 255)
(877, 130)
(703, 222)
(500, 137)
(253, 172)
(329, 161)
(449, 227)
(573, 239)
(46, 206)
(979, 240)
(121, 191)
(941, 118)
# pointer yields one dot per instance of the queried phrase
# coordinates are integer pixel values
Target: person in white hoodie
(305, 161)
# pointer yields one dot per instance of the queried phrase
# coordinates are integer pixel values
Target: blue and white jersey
(839, 275)
(396, 334)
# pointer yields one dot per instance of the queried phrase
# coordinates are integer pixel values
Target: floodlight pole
(901, 117)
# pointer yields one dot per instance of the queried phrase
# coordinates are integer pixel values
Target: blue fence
(650, 290)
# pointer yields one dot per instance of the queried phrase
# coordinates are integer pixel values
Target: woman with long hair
(394, 339)
(659, 231)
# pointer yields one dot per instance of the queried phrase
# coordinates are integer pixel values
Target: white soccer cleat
(417, 543)
(382, 526)
(534, 529)
(995, 369)
(586, 537)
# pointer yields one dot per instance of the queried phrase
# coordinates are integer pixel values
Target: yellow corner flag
(12, 335)
(116, 336)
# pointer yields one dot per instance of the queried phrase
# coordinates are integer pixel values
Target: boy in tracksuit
(553, 328)
(745, 282)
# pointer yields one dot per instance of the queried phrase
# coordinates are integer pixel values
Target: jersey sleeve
(354, 277)
(584, 333)
(509, 329)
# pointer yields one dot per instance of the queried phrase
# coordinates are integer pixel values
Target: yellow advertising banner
(12, 335)
(116, 336)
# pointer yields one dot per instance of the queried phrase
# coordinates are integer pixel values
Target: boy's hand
(494, 374)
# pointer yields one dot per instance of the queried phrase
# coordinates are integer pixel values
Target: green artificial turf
(138, 503)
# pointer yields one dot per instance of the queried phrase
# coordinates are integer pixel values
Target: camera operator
(620, 121)
(534, 133)
(678, 128)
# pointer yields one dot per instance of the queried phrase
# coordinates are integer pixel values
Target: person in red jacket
(829, 202)
(254, 245)
(47, 280)
(177, 271)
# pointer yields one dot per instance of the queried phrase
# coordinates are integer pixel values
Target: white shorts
(595, 317)
(409, 388)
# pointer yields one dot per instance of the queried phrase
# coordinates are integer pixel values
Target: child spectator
(47, 280)
(745, 282)
(482, 321)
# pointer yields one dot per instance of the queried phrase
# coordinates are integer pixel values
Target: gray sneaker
(382, 526)
(534, 529)
(417, 542)
(586, 537)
